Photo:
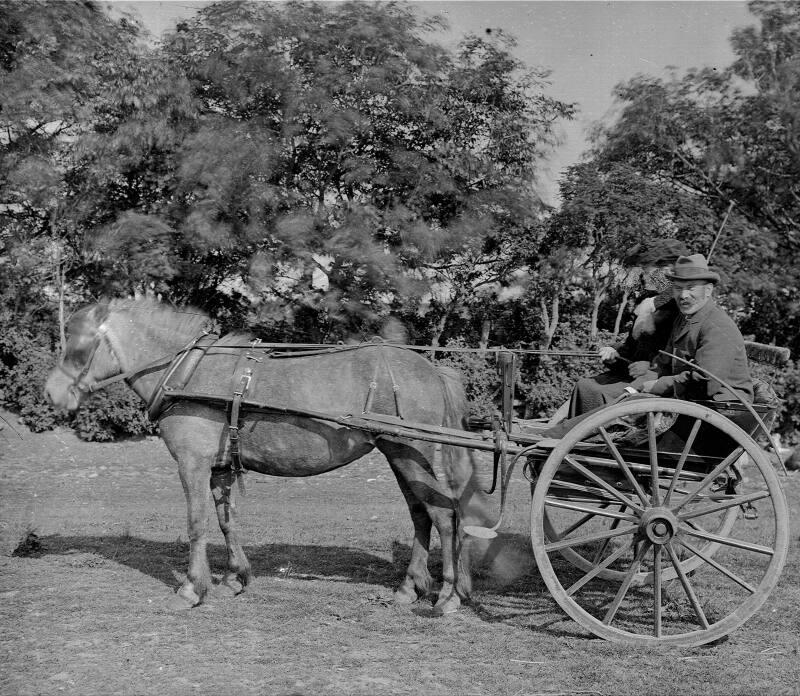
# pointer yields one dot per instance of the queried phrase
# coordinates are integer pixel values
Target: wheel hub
(659, 525)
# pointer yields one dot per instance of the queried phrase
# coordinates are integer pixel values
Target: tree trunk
(437, 334)
(550, 319)
(486, 328)
(440, 325)
(621, 311)
(598, 299)
(60, 280)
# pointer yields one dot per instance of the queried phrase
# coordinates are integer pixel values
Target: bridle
(79, 382)
(80, 385)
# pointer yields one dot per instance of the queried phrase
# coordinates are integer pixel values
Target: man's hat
(693, 267)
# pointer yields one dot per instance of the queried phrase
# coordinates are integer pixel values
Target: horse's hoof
(405, 595)
(179, 603)
(448, 605)
(228, 589)
(184, 598)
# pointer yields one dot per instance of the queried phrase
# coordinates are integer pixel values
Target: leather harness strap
(243, 377)
(180, 371)
(373, 385)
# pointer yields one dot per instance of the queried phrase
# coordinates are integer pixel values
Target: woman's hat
(658, 252)
(693, 267)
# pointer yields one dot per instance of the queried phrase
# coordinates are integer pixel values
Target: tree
(606, 211)
(85, 113)
(347, 167)
(731, 136)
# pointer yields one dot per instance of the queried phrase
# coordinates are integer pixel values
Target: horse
(138, 340)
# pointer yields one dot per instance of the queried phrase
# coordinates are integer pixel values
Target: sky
(588, 45)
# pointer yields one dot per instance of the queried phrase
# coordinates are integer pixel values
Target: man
(629, 362)
(705, 335)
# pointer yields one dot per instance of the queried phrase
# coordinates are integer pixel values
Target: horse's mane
(178, 319)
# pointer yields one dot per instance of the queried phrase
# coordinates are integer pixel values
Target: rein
(302, 349)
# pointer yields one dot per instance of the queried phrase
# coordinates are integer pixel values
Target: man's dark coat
(712, 341)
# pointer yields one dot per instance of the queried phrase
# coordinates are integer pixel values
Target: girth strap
(233, 427)
(241, 386)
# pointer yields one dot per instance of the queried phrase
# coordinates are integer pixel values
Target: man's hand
(638, 368)
(608, 354)
(659, 386)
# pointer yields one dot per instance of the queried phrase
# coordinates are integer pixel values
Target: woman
(628, 364)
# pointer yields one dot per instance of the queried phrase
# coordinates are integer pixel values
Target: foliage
(309, 170)
(344, 166)
(112, 413)
(481, 380)
(786, 382)
(24, 366)
(730, 137)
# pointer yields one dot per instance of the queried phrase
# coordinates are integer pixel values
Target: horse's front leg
(195, 474)
(238, 573)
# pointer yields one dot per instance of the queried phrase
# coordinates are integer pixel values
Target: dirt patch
(84, 611)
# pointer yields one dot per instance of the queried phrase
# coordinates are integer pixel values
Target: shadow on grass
(166, 561)
(508, 586)
(510, 590)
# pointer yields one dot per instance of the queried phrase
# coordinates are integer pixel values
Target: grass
(87, 613)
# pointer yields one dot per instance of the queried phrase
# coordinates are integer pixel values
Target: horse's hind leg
(417, 581)
(412, 466)
(238, 573)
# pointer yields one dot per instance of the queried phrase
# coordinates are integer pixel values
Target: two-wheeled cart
(653, 520)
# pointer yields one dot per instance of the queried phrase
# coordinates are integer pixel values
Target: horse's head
(88, 357)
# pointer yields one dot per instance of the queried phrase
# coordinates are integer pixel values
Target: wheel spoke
(578, 507)
(626, 583)
(714, 564)
(724, 505)
(624, 466)
(596, 570)
(651, 439)
(709, 478)
(687, 588)
(582, 521)
(591, 493)
(736, 543)
(657, 590)
(682, 460)
(589, 538)
(602, 549)
(600, 482)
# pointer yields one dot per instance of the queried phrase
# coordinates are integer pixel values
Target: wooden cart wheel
(681, 569)
(560, 524)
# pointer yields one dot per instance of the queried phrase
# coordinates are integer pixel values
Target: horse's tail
(460, 467)
(455, 397)
(459, 463)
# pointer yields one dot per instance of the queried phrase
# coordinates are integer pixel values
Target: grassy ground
(86, 612)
